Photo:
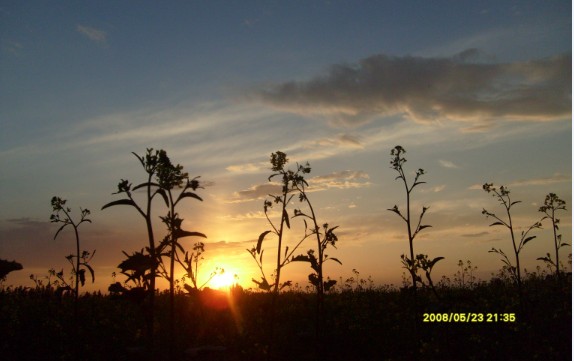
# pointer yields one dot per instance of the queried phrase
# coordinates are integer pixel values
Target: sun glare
(222, 281)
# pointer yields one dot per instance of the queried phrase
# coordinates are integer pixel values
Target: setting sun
(222, 281)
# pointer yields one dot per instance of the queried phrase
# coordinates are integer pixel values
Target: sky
(475, 92)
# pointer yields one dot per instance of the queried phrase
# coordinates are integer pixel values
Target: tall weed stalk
(502, 195)
(149, 163)
(553, 204)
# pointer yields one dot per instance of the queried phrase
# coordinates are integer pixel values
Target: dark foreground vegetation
(515, 316)
(362, 322)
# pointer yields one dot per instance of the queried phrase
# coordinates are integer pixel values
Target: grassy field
(361, 323)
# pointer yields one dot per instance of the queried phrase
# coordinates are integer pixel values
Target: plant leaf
(329, 284)
(301, 258)
(528, 239)
(260, 240)
(497, 224)
(187, 195)
(335, 259)
(286, 217)
(180, 233)
(145, 185)
(126, 202)
(91, 272)
(163, 195)
(434, 261)
(82, 276)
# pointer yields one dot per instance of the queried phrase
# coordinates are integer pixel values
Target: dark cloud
(459, 88)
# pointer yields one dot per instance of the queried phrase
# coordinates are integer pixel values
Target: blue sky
(475, 91)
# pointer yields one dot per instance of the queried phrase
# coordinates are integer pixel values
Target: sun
(222, 281)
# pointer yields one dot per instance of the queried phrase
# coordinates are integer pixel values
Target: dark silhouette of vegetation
(170, 177)
(79, 261)
(190, 264)
(364, 324)
(149, 163)
(465, 277)
(288, 178)
(553, 204)
(354, 319)
(7, 267)
(172, 185)
(323, 240)
(294, 184)
(411, 262)
(502, 194)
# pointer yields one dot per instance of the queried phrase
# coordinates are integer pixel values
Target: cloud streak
(556, 178)
(95, 35)
(341, 180)
(425, 90)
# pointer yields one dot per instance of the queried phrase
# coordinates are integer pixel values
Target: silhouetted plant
(169, 178)
(138, 267)
(7, 267)
(553, 204)
(149, 163)
(411, 263)
(288, 177)
(356, 283)
(79, 261)
(163, 178)
(191, 263)
(323, 240)
(502, 194)
(465, 276)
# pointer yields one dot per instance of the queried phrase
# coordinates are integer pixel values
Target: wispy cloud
(95, 35)
(342, 180)
(248, 167)
(556, 178)
(341, 140)
(447, 164)
(426, 90)
(255, 192)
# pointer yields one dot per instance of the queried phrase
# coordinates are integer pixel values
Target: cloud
(459, 88)
(259, 191)
(244, 217)
(447, 164)
(248, 167)
(96, 35)
(475, 235)
(556, 178)
(341, 140)
(343, 180)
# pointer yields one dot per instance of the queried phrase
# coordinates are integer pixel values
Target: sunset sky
(475, 91)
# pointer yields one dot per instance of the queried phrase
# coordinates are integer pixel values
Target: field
(362, 322)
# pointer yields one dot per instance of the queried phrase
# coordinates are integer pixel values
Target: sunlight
(222, 281)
